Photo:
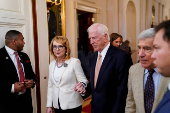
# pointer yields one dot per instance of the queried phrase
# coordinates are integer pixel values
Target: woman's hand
(49, 110)
(79, 88)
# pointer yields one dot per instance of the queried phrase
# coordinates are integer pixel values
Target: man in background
(124, 45)
(146, 87)
(17, 76)
(161, 55)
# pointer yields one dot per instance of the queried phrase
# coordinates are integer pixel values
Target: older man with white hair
(146, 87)
(109, 67)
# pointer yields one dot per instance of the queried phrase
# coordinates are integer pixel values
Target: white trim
(87, 8)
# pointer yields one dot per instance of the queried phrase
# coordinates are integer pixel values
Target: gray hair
(149, 33)
(101, 28)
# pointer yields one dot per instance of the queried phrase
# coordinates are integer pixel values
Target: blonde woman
(64, 74)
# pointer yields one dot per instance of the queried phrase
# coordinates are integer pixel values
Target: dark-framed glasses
(59, 47)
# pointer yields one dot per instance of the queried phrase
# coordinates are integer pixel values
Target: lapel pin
(6, 57)
(20, 55)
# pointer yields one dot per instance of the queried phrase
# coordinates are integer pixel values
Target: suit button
(95, 92)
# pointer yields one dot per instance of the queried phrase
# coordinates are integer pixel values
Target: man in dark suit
(17, 76)
(109, 83)
(161, 55)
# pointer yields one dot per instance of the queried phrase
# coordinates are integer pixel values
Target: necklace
(60, 65)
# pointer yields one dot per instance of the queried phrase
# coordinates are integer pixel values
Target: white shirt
(58, 72)
(14, 60)
(156, 78)
(103, 53)
(169, 86)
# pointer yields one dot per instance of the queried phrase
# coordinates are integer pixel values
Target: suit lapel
(139, 88)
(162, 89)
(106, 60)
(53, 68)
(93, 60)
(67, 62)
(165, 99)
(9, 62)
(7, 58)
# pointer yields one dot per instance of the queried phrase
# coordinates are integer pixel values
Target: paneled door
(17, 15)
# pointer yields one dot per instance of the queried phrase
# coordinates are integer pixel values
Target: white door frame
(87, 8)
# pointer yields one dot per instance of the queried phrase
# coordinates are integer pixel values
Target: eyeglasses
(59, 47)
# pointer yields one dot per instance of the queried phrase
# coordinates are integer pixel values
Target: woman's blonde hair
(64, 41)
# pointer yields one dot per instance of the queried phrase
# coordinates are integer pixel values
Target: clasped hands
(79, 88)
(19, 85)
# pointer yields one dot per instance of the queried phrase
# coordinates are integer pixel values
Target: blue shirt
(156, 78)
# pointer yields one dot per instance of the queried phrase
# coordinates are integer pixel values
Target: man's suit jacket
(164, 105)
(110, 93)
(135, 97)
(64, 91)
(125, 47)
(12, 102)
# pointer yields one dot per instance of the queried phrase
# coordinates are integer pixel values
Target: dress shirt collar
(147, 71)
(169, 86)
(9, 50)
(104, 51)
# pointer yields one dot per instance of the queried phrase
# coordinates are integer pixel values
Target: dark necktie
(149, 92)
(20, 70)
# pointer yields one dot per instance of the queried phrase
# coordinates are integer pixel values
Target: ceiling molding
(88, 1)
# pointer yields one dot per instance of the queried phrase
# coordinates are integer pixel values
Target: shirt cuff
(84, 84)
(83, 94)
(12, 89)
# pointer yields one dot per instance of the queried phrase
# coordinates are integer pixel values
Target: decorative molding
(87, 8)
(36, 55)
(63, 18)
(158, 1)
(10, 10)
(8, 6)
(12, 25)
(89, 1)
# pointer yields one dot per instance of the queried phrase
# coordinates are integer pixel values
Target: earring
(66, 53)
